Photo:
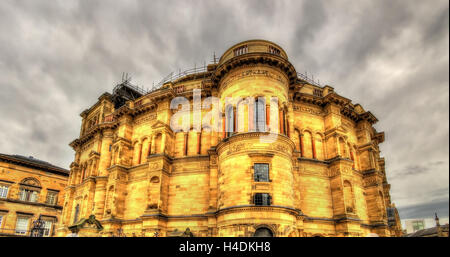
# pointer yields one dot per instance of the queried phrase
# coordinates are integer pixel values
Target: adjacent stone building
(29, 188)
(319, 174)
(437, 231)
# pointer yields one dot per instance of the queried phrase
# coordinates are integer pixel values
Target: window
(260, 114)
(262, 199)
(229, 120)
(52, 198)
(241, 50)
(261, 172)
(28, 195)
(418, 225)
(3, 191)
(1, 220)
(22, 225)
(47, 227)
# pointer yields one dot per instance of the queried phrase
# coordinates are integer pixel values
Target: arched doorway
(263, 232)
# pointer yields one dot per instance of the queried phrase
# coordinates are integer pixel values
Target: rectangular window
(262, 199)
(22, 225)
(47, 227)
(260, 115)
(261, 172)
(28, 195)
(4, 191)
(1, 220)
(52, 197)
(418, 225)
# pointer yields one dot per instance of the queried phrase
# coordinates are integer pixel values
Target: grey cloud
(425, 210)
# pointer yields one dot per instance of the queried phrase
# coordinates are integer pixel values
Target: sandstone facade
(29, 188)
(321, 175)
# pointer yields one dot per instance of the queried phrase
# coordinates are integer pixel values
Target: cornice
(43, 167)
(249, 207)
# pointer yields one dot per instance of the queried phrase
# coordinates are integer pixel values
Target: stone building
(29, 188)
(284, 157)
(437, 231)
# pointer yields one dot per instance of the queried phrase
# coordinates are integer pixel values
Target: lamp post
(38, 228)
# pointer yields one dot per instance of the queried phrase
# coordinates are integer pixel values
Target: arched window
(263, 232)
(29, 190)
(242, 116)
(144, 150)
(319, 147)
(260, 114)
(229, 128)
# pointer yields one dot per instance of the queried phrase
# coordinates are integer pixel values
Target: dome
(252, 46)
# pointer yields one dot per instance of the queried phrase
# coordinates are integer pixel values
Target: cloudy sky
(57, 57)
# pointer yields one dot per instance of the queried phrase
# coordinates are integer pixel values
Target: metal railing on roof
(174, 76)
(307, 79)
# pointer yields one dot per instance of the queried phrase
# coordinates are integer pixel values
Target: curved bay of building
(320, 174)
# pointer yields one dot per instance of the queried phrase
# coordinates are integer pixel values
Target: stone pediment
(84, 223)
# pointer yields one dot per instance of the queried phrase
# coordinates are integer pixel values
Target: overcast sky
(392, 57)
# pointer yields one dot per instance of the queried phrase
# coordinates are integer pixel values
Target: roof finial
(436, 218)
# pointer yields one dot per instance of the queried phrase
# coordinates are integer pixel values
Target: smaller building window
(418, 225)
(28, 195)
(261, 172)
(1, 220)
(52, 198)
(4, 191)
(262, 199)
(22, 225)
